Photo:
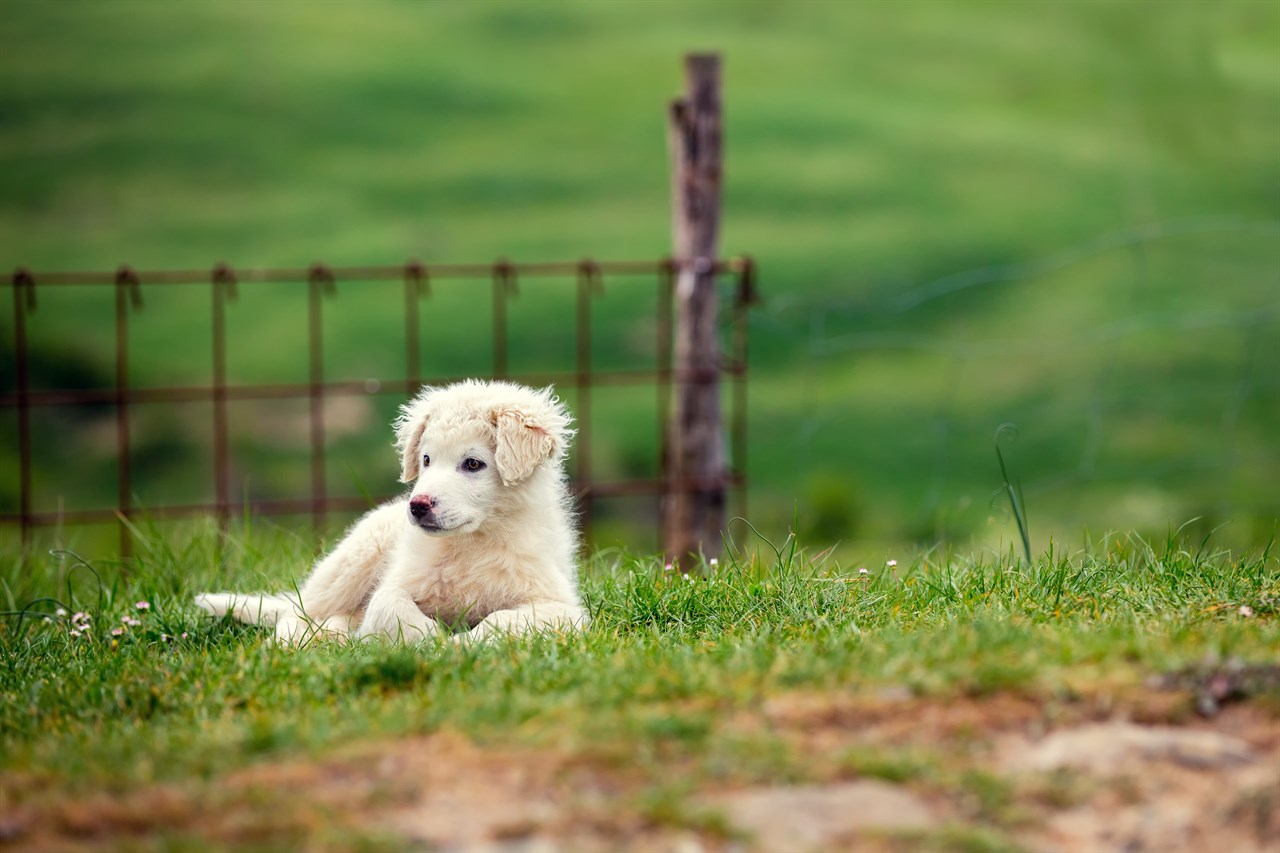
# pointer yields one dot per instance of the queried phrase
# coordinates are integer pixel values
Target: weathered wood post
(693, 507)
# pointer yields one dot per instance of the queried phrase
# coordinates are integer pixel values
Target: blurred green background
(1064, 216)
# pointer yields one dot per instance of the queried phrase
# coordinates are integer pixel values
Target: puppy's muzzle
(422, 508)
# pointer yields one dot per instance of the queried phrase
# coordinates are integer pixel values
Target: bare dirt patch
(1153, 788)
(1044, 775)
(1059, 775)
(813, 816)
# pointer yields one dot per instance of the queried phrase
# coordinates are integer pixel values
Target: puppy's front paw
(387, 623)
(295, 631)
(466, 638)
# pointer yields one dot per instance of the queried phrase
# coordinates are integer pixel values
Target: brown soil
(885, 772)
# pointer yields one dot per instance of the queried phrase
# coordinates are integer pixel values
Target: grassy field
(144, 725)
(1062, 216)
(1058, 215)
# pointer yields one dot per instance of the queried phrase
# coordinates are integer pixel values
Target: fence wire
(503, 281)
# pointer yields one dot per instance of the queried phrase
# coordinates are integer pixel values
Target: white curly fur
(495, 550)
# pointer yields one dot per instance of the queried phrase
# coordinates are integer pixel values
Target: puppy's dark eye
(426, 461)
(472, 465)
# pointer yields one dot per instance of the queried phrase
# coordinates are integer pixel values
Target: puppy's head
(469, 449)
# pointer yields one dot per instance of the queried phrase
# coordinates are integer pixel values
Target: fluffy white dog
(485, 537)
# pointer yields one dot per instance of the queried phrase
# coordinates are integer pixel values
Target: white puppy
(485, 537)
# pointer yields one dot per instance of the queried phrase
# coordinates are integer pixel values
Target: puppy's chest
(449, 591)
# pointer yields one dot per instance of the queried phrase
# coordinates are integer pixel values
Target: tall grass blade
(1014, 494)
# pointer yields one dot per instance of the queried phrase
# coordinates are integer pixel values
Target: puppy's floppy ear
(409, 426)
(528, 435)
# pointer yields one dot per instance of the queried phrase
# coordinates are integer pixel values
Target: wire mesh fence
(37, 497)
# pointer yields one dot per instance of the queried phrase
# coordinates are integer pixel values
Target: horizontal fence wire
(321, 280)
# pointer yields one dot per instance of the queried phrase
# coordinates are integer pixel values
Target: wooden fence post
(693, 507)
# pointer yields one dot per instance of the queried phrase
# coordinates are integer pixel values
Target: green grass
(1084, 192)
(667, 666)
(1058, 215)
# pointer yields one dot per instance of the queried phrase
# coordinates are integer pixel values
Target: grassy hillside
(1063, 216)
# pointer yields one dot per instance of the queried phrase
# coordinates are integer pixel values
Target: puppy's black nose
(421, 505)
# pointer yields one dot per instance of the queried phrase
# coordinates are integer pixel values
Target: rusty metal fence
(223, 283)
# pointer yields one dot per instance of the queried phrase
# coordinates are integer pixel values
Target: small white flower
(80, 616)
(714, 562)
(165, 638)
(143, 605)
(75, 632)
(1245, 610)
(891, 563)
(667, 568)
(61, 611)
(48, 619)
(689, 578)
(116, 632)
(184, 635)
(863, 572)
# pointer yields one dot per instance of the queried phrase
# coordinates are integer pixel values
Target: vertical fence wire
(24, 298)
(503, 286)
(415, 284)
(668, 270)
(320, 282)
(588, 285)
(743, 300)
(224, 288)
(127, 290)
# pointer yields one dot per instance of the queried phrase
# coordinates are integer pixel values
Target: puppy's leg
(538, 616)
(300, 631)
(343, 579)
(393, 614)
(250, 608)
